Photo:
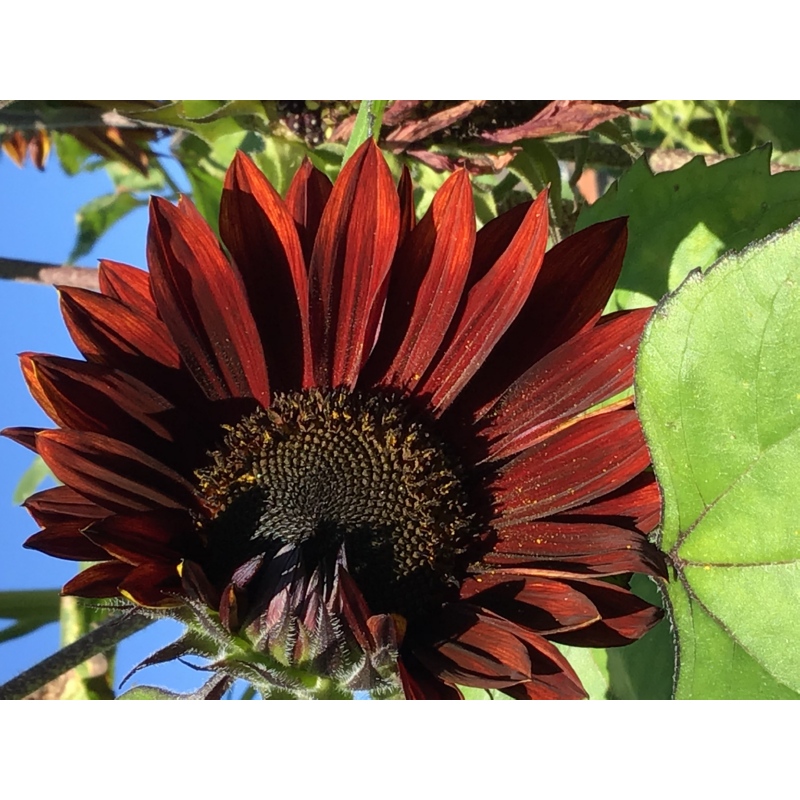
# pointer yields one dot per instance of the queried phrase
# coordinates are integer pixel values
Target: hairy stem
(97, 641)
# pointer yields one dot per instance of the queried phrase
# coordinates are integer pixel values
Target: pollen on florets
(322, 469)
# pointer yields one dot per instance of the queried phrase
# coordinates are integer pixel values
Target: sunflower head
(358, 451)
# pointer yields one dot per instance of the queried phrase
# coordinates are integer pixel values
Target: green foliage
(717, 391)
(71, 153)
(370, 114)
(688, 218)
(97, 216)
(29, 609)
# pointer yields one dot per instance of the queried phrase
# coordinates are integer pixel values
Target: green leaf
(71, 153)
(471, 693)
(645, 669)
(688, 218)
(30, 480)
(536, 166)
(361, 129)
(126, 179)
(97, 216)
(31, 610)
(591, 667)
(189, 115)
(718, 392)
(206, 194)
(33, 604)
(279, 160)
(780, 120)
(148, 693)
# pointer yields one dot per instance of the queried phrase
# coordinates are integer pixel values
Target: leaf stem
(100, 639)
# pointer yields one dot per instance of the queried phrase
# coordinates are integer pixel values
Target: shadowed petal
(490, 307)
(203, 304)
(573, 466)
(624, 616)
(129, 285)
(93, 397)
(474, 651)
(164, 535)
(419, 684)
(306, 200)
(425, 287)
(113, 474)
(539, 604)
(62, 504)
(262, 238)
(352, 254)
(100, 580)
(152, 585)
(408, 214)
(65, 540)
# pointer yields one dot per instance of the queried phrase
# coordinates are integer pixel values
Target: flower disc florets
(325, 470)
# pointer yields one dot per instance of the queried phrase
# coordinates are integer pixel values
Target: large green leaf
(718, 391)
(688, 218)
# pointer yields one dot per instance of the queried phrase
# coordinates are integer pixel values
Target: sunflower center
(321, 470)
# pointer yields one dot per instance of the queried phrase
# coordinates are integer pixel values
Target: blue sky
(37, 222)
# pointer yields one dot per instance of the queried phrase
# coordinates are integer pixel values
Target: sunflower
(357, 450)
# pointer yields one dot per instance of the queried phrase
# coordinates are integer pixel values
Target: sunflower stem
(100, 639)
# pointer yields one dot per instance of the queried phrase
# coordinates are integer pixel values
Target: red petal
(201, 299)
(475, 651)
(419, 684)
(352, 254)
(152, 585)
(62, 504)
(425, 287)
(491, 306)
(588, 369)
(639, 500)
(306, 200)
(571, 290)
(573, 466)
(113, 474)
(262, 238)
(109, 332)
(93, 397)
(625, 617)
(599, 549)
(539, 604)
(65, 540)
(127, 284)
(163, 535)
(100, 580)
(23, 435)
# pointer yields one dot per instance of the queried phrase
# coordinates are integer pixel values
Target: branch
(100, 639)
(14, 269)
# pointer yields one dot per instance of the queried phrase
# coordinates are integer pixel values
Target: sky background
(37, 223)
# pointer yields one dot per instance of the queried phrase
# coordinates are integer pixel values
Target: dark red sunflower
(360, 446)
